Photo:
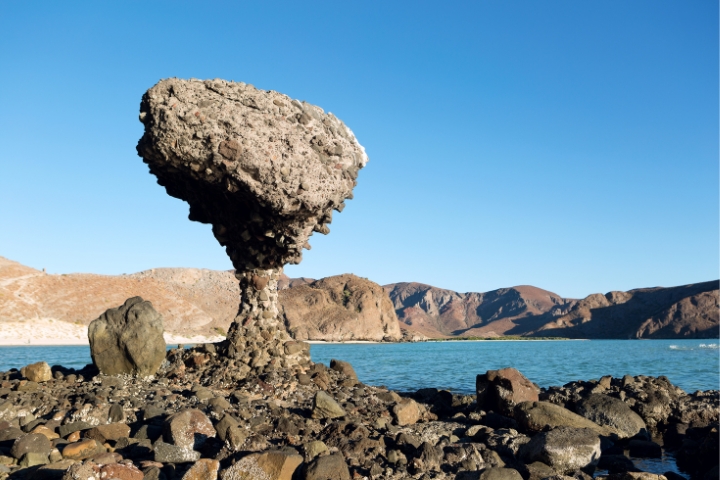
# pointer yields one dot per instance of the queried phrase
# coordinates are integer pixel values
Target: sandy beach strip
(47, 331)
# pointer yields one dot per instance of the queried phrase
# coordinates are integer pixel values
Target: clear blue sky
(563, 144)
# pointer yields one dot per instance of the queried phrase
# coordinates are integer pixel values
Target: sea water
(690, 364)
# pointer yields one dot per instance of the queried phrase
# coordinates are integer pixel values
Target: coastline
(54, 333)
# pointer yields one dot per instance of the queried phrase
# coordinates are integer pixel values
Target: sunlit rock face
(265, 170)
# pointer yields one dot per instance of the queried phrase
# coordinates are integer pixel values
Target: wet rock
(37, 372)
(565, 449)
(538, 416)
(128, 339)
(644, 449)
(616, 464)
(31, 442)
(612, 413)
(188, 428)
(324, 406)
(406, 412)
(329, 467)
(500, 390)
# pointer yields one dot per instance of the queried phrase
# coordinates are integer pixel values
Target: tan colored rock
(37, 372)
(188, 429)
(82, 450)
(344, 307)
(406, 412)
(203, 469)
(324, 406)
(273, 465)
(111, 431)
(121, 472)
(43, 430)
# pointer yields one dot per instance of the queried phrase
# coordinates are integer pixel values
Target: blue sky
(563, 144)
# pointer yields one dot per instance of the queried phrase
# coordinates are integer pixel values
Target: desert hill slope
(688, 311)
(198, 302)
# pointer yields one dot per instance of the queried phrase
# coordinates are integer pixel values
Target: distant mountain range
(204, 302)
(688, 311)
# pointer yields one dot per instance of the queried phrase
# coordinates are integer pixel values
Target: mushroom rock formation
(266, 171)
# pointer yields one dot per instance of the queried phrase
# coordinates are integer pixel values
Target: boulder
(37, 372)
(343, 367)
(329, 467)
(32, 442)
(83, 449)
(272, 465)
(500, 390)
(492, 473)
(167, 453)
(612, 413)
(128, 339)
(121, 472)
(539, 416)
(111, 431)
(324, 406)
(565, 449)
(406, 412)
(188, 428)
(203, 469)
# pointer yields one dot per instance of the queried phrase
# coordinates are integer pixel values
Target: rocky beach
(267, 171)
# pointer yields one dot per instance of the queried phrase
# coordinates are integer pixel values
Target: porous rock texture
(128, 339)
(265, 170)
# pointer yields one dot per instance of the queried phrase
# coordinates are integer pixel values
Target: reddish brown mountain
(688, 311)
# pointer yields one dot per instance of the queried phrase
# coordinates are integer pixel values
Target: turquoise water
(691, 364)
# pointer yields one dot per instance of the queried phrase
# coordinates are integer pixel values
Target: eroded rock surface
(265, 170)
(128, 339)
(342, 307)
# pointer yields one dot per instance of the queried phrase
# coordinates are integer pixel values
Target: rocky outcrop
(265, 170)
(344, 307)
(128, 339)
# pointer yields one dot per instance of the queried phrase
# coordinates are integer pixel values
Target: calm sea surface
(691, 364)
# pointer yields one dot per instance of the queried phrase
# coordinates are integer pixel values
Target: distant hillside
(201, 302)
(689, 311)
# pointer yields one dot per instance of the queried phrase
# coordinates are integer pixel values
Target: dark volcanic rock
(500, 390)
(128, 339)
(613, 413)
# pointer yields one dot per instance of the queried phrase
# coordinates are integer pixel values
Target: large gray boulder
(128, 339)
(538, 416)
(565, 449)
(612, 413)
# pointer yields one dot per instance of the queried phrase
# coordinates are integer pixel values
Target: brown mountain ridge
(346, 307)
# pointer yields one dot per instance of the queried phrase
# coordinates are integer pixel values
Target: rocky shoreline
(201, 417)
